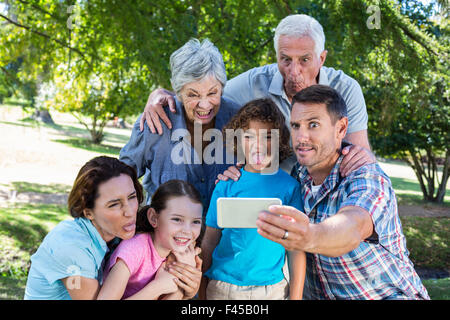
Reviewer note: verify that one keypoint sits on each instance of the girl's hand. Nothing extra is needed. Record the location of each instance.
(165, 280)
(189, 277)
(188, 256)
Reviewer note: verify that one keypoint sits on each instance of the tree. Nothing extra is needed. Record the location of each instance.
(116, 51)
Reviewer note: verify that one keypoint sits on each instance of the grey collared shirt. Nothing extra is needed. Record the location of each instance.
(267, 81)
(171, 155)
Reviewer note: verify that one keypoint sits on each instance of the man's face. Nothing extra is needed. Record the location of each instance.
(298, 63)
(315, 138)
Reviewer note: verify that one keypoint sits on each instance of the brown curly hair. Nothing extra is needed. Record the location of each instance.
(266, 111)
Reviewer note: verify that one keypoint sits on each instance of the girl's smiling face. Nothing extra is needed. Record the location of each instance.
(176, 226)
(257, 145)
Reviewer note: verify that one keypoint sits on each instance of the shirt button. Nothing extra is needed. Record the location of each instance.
(202, 179)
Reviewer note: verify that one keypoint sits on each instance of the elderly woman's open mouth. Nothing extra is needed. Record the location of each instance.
(204, 115)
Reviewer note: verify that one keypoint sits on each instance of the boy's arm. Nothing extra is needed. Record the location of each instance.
(209, 243)
(297, 272)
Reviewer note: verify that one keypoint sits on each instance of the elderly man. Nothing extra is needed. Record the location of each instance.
(350, 227)
(299, 44)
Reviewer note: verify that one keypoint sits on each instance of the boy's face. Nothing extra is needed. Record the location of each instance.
(257, 145)
(315, 138)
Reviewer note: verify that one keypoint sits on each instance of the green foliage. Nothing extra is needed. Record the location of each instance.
(103, 57)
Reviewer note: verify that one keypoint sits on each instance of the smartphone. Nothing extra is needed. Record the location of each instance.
(242, 212)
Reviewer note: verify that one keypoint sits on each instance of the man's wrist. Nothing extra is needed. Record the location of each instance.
(312, 239)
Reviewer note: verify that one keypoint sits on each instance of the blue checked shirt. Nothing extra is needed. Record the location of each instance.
(379, 268)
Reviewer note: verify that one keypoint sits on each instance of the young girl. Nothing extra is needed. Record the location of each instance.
(170, 224)
(240, 263)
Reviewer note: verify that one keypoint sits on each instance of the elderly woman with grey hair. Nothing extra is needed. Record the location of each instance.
(181, 152)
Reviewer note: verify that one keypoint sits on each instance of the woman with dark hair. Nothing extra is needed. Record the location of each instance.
(103, 201)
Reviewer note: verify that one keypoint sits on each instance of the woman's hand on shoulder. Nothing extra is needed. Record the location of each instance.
(154, 110)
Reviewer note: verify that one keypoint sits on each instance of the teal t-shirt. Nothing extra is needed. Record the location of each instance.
(72, 248)
(243, 257)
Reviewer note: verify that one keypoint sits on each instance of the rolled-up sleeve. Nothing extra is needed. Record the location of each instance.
(138, 152)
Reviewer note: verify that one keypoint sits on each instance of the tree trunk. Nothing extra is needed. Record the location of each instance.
(43, 116)
(445, 175)
(97, 136)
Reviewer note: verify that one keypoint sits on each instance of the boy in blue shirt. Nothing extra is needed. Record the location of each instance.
(239, 263)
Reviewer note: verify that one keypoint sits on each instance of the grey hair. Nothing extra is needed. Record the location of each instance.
(195, 61)
(301, 25)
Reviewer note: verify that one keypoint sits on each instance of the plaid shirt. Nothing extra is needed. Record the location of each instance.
(379, 268)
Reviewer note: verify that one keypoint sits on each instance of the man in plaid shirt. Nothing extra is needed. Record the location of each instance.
(350, 227)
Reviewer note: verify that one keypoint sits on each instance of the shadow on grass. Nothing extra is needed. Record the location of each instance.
(427, 240)
(438, 289)
(70, 131)
(22, 186)
(85, 144)
(28, 224)
(12, 289)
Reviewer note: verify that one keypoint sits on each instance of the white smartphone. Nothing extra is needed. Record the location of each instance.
(242, 212)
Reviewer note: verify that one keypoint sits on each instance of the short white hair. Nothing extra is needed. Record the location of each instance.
(194, 61)
(301, 25)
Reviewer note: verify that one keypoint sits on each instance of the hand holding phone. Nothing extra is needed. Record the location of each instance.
(242, 212)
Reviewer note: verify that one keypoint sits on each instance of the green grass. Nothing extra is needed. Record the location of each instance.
(427, 240)
(438, 289)
(85, 144)
(23, 186)
(408, 192)
(22, 229)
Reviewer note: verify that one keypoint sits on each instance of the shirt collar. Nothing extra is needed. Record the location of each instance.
(94, 234)
(276, 85)
(323, 77)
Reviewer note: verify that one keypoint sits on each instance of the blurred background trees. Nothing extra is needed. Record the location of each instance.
(99, 59)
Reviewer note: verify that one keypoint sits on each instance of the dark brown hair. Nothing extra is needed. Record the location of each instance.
(166, 191)
(266, 111)
(91, 175)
